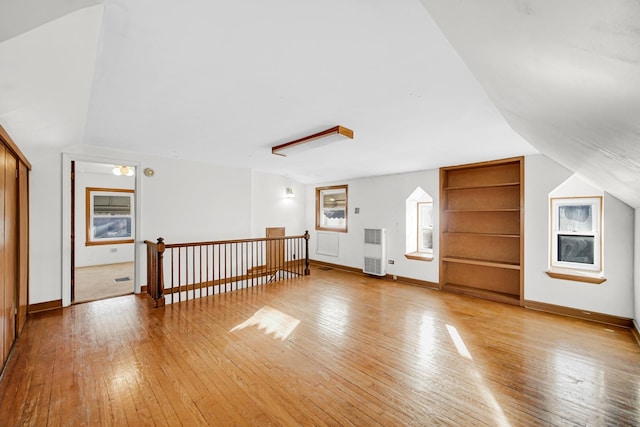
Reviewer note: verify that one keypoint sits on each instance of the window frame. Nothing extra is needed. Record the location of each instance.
(90, 194)
(419, 240)
(596, 232)
(320, 193)
(413, 240)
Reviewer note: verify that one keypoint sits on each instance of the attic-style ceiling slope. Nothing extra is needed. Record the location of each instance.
(566, 76)
(224, 81)
(45, 81)
(19, 16)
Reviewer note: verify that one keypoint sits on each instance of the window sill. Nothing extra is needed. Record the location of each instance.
(585, 277)
(418, 256)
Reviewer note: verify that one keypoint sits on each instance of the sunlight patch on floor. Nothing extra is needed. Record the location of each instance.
(500, 419)
(272, 321)
(457, 341)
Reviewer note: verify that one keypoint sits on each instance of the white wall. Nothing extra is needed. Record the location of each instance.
(184, 201)
(270, 207)
(615, 295)
(100, 254)
(382, 203)
(45, 219)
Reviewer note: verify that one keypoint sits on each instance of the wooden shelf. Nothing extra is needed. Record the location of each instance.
(470, 187)
(481, 230)
(482, 234)
(481, 293)
(483, 262)
(479, 210)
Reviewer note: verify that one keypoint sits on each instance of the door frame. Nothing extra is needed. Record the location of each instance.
(67, 158)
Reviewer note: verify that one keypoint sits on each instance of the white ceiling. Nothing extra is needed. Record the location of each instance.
(223, 81)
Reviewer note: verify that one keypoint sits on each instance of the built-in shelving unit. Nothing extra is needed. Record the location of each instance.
(481, 229)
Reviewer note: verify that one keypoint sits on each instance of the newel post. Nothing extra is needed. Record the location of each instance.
(306, 253)
(160, 274)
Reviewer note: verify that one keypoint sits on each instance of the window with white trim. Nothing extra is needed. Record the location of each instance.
(576, 233)
(419, 226)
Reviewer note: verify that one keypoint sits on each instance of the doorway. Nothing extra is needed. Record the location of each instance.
(103, 224)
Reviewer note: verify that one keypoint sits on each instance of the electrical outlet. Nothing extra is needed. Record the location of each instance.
(114, 250)
(391, 261)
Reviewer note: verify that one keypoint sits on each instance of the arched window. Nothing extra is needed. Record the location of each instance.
(419, 222)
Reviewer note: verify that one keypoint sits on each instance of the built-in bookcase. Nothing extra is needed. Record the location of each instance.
(481, 229)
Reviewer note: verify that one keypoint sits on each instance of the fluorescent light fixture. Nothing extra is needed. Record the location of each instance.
(319, 139)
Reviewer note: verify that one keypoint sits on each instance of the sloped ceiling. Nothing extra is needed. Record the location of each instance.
(565, 75)
(45, 81)
(19, 16)
(224, 81)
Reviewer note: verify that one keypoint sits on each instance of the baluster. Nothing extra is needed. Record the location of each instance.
(306, 253)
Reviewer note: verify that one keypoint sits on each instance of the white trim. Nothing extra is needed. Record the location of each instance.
(596, 232)
(67, 158)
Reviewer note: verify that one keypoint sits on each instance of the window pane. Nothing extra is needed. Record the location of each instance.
(112, 205)
(426, 220)
(333, 208)
(111, 227)
(426, 238)
(577, 218)
(578, 249)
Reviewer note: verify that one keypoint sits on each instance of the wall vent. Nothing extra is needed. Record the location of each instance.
(375, 251)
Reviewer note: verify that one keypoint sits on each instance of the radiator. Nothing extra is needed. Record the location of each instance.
(375, 251)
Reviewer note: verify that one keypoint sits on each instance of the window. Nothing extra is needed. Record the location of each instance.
(576, 233)
(419, 223)
(331, 208)
(425, 227)
(109, 216)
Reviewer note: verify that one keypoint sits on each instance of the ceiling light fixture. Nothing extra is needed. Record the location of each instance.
(320, 139)
(123, 170)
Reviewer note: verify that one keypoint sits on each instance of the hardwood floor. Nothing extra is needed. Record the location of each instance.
(332, 348)
(99, 281)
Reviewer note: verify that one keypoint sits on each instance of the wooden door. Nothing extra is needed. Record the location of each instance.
(11, 249)
(23, 246)
(275, 249)
(3, 315)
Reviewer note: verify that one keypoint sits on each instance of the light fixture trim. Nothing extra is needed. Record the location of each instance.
(336, 130)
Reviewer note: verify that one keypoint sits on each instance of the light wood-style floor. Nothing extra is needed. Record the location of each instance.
(329, 349)
(99, 281)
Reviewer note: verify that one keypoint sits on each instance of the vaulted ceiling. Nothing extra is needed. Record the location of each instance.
(422, 87)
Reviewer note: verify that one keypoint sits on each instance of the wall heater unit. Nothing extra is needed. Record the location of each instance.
(375, 251)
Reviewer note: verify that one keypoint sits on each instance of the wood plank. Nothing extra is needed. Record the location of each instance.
(23, 246)
(366, 351)
(11, 249)
(4, 320)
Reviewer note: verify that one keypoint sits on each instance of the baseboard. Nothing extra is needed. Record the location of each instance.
(44, 306)
(635, 330)
(415, 282)
(407, 280)
(335, 266)
(580, 314)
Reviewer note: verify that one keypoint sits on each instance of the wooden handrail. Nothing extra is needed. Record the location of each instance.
(218, 242)
(197, 269)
